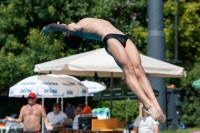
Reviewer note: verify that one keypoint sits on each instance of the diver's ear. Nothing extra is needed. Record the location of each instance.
(65, 34)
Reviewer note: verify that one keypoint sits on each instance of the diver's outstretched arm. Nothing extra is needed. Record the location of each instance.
(57, 27)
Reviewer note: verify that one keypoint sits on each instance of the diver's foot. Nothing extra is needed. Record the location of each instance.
(163, 116)
(159, 109)
(156, 114)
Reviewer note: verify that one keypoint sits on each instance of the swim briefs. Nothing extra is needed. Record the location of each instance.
(121, 38)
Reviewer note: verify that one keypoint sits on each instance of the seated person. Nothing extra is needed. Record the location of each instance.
(145, 123)
(78, 110)
(56, 117)
(69, 110)
(86, 112)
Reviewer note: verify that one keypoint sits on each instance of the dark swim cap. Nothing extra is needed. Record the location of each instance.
(72, 42)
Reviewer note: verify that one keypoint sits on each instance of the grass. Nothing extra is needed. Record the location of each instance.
(188, 130)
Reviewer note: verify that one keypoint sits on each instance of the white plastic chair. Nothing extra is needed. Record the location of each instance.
(13, 125)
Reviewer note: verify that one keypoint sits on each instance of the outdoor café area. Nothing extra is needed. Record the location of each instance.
(86, 125)
(94, 125)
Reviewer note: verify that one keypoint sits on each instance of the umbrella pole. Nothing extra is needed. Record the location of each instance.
(111, 86)
(42, 118)
(86, 100)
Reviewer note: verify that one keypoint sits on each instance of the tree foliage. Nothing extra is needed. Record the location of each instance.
(188, 30)
(190, 97)
(188, 13)
(189, 53)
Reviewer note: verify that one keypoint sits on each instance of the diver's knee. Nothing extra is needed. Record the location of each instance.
(139, 70)
(129, 69)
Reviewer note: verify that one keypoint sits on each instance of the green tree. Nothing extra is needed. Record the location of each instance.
(188, 31)
(189, 53)
(190, 97)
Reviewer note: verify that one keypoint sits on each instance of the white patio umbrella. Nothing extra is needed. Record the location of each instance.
(43, 86)
(93, 87)
(49, 86)
(86, 64)
(81, 89)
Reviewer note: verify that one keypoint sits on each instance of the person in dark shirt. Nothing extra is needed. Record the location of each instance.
(69, 110)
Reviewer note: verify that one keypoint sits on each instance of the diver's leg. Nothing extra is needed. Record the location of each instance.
(121, 57)
(140, 73)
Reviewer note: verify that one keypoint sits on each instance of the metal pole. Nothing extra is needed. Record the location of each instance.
(62, 106)
(156, 48)
(176, 32)
(111, 87)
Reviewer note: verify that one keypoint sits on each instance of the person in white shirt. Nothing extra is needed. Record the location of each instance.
(145, 123)
(56, 117)
(78, 109)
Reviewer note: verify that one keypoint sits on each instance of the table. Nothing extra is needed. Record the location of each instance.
(69, 130)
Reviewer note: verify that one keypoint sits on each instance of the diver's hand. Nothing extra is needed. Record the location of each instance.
(49, 28)
(45, 31)
(54, 27)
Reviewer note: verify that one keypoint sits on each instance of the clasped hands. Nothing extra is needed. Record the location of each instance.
(46, 31)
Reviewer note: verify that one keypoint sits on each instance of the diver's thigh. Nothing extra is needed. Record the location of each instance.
(133, 53)
(117, 51)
